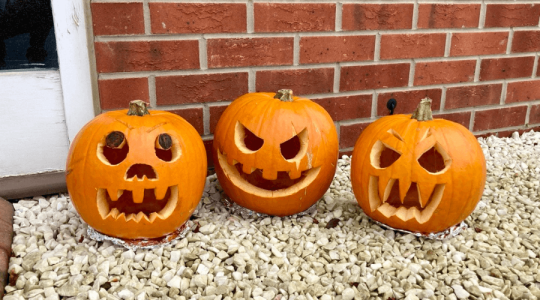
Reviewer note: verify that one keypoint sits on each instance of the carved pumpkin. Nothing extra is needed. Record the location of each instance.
(136, 174)
(275, 153)
(417, 173)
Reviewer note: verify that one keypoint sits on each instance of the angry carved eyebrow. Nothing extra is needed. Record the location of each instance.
(124, 123)
(156, 127)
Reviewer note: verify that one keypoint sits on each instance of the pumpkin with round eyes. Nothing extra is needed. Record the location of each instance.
(135, 174)
(417, 173)
(275, 153)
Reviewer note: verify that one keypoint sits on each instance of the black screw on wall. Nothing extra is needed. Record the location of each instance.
(391, 105)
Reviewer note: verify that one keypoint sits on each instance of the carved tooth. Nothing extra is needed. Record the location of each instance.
(387, 210)
(122, 217)
(140, 216)
(404, 185)
(294, 174)
(385, 186)
(114, 213)
(138, 195)
(143, 178)
(160, 192)
(153, 216)
(373, 193)
(403, 214)
(269, 174)
(114, 194)
(247, 169)
(425, 189)
(130, 216)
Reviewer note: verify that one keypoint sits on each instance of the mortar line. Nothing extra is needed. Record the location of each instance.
(146, 16)
(152, 90)
(448, 44)
(339, 16)
(206, 119)
(510, 41)
(203, 54)
(477, 70)
(296, 50)
(482, 19)
(250, 11)
(337, 77)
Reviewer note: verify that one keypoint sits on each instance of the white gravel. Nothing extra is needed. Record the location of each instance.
(231, 257)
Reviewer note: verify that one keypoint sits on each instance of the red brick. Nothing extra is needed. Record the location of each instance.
(194, 116)
(463, 118)
(377, 16)
(534, 116)
(347, 107)
(374, 77)
(215, 114)
(117, 18)
(348, 134)
(200, 88)
(116, 93)
(302, 82)
(407, 101)
(427, 73)
(502, 68)
(146, 56)
(469, 96)
(526, 41)
(294, 17)
(478, 43)
(250, 52)
(323, 49)
(512, 15)
(412, 45)
(448, 15)
(507, 133)
(208, 146)
(523, 91)
(499, 118)
(198, 17)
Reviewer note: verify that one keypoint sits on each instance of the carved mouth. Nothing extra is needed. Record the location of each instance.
(407, 207)
(135, 205)
(255, 184)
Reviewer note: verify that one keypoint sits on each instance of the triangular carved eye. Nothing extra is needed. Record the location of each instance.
(382, 156)
(295, 147)
(246, 140)
(434, 160)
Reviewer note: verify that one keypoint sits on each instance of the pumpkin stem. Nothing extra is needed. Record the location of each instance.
(423, 111)
(284, 95)
(137, 108)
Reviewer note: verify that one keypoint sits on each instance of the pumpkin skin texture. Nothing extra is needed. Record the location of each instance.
(146, 187)
(417, 175)
(275, 156)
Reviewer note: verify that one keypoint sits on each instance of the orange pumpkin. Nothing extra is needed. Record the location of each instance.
(417, 173)
(136, 174)
(275, 153)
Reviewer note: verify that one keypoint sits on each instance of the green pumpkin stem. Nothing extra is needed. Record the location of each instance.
(137, 108)
(284, 95)
(423, 111)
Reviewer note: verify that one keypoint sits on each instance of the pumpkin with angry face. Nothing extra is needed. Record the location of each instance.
(275, 153)
(136, 174)
(417, 173)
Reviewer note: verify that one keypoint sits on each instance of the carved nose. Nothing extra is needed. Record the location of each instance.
(141, 170)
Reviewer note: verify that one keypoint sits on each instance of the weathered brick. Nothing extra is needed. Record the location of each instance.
(534, 116)
(377, 16)
(438, 72)
(194, 116)
(499, 118)
(347, 107)
(463, 118)
(523, 91)
(469, 96)
(323, 49)
(302, 82)
(508, 133)
(512, 15)
(250, 52)
(478, 43)
(374, 77)
(215, 114)
(407, 101)
(510, 67)
(348, 134)
(412, 45)
(198, 17)
(294, 17)
(526, 41)
(448, 15)
(117, 18)
(116, 93)
(200, 88)
(146, 56)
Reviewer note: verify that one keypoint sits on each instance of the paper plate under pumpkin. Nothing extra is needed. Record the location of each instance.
(274, 153)
(135, 174)
(417, 173)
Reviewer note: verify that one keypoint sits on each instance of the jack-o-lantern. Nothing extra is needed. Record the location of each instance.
(275, 153)
(417, 173)
(136, 174)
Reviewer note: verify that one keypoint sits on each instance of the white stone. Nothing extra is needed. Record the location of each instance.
(347, 294)
(460, 292)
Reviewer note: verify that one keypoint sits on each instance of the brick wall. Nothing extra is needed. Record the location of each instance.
(477, 60)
